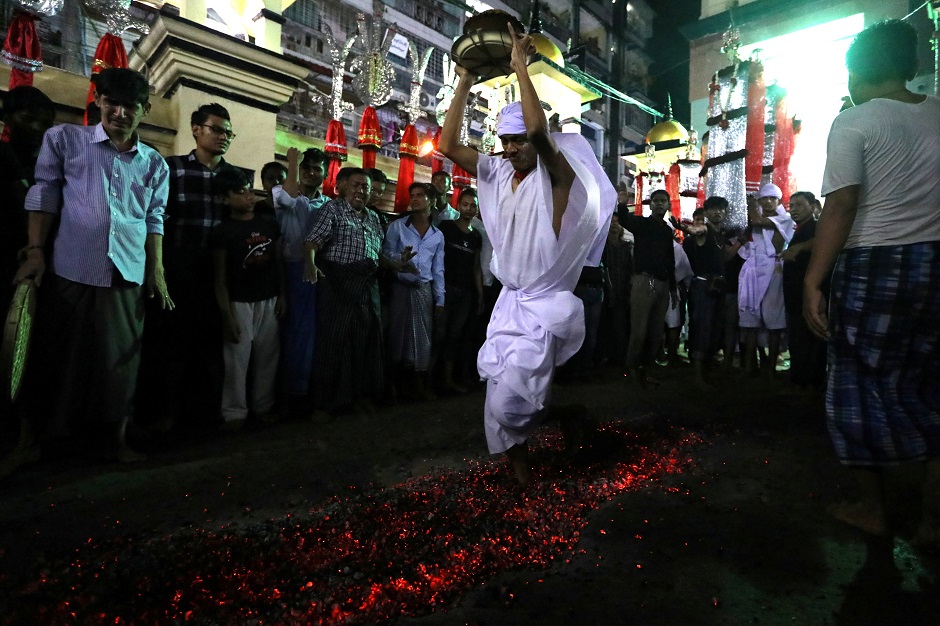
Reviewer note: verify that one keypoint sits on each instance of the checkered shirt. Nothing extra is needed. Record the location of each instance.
(342, 236)
(192, 211)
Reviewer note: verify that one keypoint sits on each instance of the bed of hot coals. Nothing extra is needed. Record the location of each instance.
(362, 557)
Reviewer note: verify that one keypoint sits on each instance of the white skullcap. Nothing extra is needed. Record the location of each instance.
(770, 190)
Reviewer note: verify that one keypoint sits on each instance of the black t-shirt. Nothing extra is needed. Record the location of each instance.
(263, 208)
(652, 246)
(251, 264)
(795, 271)
(707, 260)
(459, 251)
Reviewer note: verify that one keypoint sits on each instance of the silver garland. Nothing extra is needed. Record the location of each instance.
(43, 8)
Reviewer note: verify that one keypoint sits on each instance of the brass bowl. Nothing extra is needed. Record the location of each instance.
(493, 19)
(485, 53)
(485, 48)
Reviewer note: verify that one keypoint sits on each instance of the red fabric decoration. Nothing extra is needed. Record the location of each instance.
(370, 136)
(638, 200)
(407, 151)
(437, 159)
(783, 148)
(754, 140)
(21, 50)
(460, 179)
(672, 188)
(336, 150)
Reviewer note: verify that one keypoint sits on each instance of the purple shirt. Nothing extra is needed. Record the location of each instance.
(107, 202)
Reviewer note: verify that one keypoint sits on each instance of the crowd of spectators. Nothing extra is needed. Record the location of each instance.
(287, 304)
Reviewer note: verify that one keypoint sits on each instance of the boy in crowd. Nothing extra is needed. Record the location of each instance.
(249, 295)
(417, 298)
(441, 210)
(297, 201)
(703, 247)
(272, 175)
(464, 279)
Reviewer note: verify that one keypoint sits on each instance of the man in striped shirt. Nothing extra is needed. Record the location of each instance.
(107, 248)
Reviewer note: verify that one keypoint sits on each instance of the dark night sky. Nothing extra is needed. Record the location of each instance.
(670, 52)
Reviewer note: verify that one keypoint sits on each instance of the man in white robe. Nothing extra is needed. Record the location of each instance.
(546, 204)
(760, 285)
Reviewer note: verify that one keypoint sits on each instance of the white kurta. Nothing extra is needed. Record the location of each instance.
(537, 322)
(760, 286)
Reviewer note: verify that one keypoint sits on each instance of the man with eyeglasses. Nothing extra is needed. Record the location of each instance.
(184, 351)
(107, 190)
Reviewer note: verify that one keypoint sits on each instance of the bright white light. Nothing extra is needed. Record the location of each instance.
(810, 65)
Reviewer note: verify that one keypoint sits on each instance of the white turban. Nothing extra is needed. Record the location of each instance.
(770, 190)
(510, 120)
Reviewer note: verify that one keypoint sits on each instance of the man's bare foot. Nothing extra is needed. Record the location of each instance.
(22, 455)
(861, 516)
(518, 455)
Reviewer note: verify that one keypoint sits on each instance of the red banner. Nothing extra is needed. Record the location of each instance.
(407, 151)
(109, 53)
(22, 51)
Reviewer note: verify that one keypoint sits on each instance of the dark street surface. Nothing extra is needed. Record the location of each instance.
(688, 507)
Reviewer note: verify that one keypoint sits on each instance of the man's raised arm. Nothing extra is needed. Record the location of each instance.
(450, 146)
(535, 123)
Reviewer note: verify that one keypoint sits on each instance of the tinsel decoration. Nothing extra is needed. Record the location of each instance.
(335, 146)
(727, 135)
(373, 82)
(445, 95)
(460, 178)
(109, 53)
(22, 50)
(688, 186)
(408, 149)
(40, 8)
(755, 139)
(116, 14)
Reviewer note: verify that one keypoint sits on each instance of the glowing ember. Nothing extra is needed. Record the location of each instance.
(371, 556)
